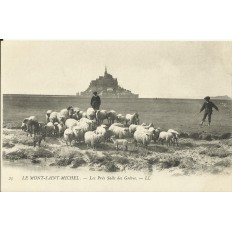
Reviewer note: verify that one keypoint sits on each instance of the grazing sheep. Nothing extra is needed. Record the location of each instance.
(142, 137)
(84, 127)
(92, 139)
(117, 124)
(24, 125)
(111, 116)
(117, 142)
(144, 129)
(144, 126)
(107, 135)
(56, 131)
(59, 128)
(91, 114)
(175, 136)
(77, 114)
(33, 118)
(91, 123)
(119, 132)
(68, 136)
(121, 119)
(70, 123)
(53, 117)
(48, 115)
(156, 134)
(50, 128)
(83, 114)
(162, 136)
(65, 112)
(61, 117)
(30, 125)
(132, 118)
(140, 127)
(167, 136)
(132, 129)
(100, 116)
(78, 133)
(103, 130)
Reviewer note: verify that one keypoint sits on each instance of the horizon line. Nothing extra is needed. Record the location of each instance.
(68, 95)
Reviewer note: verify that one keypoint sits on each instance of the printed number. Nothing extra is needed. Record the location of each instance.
(10, 178)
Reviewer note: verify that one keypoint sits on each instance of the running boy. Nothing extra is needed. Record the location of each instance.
(208, 107)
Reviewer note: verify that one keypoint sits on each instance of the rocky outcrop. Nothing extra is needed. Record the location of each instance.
(107, 86)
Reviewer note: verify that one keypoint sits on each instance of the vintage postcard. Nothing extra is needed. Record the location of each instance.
(116, 116)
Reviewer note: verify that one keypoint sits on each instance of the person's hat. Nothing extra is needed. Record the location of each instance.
(207, 98)
(95, 92)
(70, 107)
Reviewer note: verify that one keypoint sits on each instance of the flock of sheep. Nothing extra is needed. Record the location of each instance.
(76, 125)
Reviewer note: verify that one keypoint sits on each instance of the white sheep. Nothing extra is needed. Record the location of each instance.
(149, 131)
(91, 123)
(61, 117)
(33, 118)
(59, 128)
(132, 118)
(50, 128)
(100, 116)
(142, 137)
(30, 125)
(117, 124)
(78, 133)
(70, 123)
(91, 114)
(111, 116)
(119, 132)
(76, 114)
(68, 136)
(162, 136)
(144, 126)
(65, 112)
(121, 119)
(53, 117)
(118, 142)
(167, 136)
(103, 130)
(83, 114)
(92, 139)
(132, 129)
(48, 115)
(84, 127)
(175, 136)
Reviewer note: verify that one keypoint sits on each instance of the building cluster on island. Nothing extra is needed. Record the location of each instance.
(108, 87)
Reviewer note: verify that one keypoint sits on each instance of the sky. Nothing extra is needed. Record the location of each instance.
(148, 68)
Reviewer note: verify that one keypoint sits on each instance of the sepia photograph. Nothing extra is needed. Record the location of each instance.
(116, 115)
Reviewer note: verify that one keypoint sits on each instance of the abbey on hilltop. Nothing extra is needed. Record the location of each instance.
(108, 87)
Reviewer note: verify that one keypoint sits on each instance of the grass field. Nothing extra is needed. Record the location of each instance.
(195, 155)
(178, 114)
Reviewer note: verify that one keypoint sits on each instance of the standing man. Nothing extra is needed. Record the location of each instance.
(95, 101)
(208, 107)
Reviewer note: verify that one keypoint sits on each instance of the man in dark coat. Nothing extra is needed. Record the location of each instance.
(95, 101)
(208, 107)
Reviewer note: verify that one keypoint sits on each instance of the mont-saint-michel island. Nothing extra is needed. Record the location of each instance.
(107, 86)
